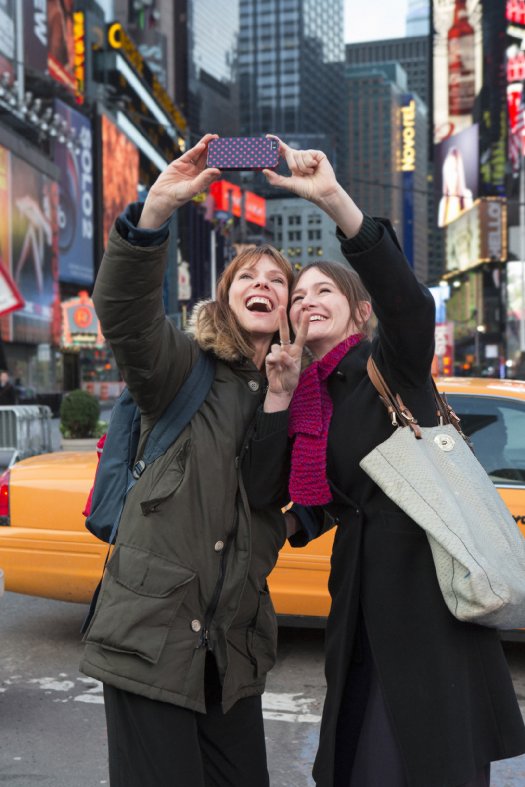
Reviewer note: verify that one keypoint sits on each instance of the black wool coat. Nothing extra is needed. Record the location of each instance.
(446, 685)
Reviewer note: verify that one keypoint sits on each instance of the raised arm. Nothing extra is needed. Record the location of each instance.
(405, 308)
(153, 356)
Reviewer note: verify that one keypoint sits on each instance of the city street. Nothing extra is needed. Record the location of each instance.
(52, 720)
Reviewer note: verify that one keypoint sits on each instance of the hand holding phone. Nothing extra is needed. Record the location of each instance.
(243, 153)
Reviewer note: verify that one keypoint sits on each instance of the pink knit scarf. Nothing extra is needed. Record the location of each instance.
(310, 415)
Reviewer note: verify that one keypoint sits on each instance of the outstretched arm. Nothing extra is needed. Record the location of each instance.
(181, 180)
(313, 178)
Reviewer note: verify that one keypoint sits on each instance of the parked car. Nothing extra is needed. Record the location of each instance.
(45, 549)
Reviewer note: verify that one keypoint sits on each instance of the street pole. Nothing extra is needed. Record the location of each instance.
(213, 263)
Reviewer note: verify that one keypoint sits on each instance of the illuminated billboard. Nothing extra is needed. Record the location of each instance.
(61, 42)
(34, 250)
(458, 64)
(120, 172)
(75, 215)
(492, 114)
(515, 75)
(7, 37)
(478, 235)
(228, 199)
(456, 174)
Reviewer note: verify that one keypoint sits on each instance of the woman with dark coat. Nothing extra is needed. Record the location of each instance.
(184, 631)
(415, 698)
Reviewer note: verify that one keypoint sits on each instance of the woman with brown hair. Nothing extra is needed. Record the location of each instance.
(184, 630)
(415, 697)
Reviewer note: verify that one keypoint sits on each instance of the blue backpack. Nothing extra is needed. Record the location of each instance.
(118, 472)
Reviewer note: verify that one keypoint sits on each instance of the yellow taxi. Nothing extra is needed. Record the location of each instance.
(45, 549)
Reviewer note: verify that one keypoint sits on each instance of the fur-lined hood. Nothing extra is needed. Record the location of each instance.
(203, 331)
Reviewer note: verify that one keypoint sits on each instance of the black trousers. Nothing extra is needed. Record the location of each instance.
(157, 744)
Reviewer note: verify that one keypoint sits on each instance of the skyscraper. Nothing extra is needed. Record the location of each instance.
(291, 55)
(386, 146)
(411, 53)
(418, 18)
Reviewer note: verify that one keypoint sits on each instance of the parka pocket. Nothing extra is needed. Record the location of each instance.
(262, 637)
(141, 593)
(168, 476)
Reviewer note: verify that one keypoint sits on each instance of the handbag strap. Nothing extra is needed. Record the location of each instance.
(399, 414)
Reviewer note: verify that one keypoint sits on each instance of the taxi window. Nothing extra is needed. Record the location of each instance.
(496, 427)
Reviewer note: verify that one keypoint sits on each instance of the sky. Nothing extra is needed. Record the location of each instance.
(372, 20)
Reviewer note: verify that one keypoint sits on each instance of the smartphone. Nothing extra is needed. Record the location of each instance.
(237, 153)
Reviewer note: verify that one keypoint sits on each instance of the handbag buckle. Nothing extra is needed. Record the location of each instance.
(445, 442)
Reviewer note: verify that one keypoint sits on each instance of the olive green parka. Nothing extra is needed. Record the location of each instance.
(189, 568)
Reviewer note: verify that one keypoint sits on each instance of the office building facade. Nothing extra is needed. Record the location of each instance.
(378, 103)
(290, 68)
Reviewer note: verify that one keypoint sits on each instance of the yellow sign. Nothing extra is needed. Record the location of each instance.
(80, 55)
(408, 138)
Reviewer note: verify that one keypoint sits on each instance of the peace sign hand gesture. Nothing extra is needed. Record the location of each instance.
(283, 363)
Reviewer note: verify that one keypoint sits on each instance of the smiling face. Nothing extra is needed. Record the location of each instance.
(329, 309)
(257, 289)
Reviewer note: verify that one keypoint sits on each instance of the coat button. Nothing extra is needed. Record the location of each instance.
(219, 546)
(196, 625)
(253, 385)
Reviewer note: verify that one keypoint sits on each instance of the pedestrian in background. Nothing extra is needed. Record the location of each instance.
(8, 394)
(184, 630)
(415, 698)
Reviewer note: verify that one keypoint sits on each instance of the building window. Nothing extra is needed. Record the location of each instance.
(294, 220)
(314, 234)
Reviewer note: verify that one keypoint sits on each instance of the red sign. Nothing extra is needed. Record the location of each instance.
(516, 11)
(228, 198)
(80, 325)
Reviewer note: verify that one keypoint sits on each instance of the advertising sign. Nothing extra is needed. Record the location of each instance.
(61, 42)
(10, 297)
(478, 235)
(75, 209)
(120, 172)
(515, 73)
(7, 37)
(493, 112)
(35, 35)
(119, 41)
(456, 162)
(229, 199)
(444, 338)
(80, 324)
(406, 165)
(458, 64)
(34, 250)
(515, 301)
(79, 33)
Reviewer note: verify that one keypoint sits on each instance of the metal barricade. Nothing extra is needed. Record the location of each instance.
(25, 430)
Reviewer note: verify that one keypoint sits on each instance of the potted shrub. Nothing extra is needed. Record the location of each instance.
(79, 420)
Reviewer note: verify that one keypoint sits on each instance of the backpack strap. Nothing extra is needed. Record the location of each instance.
(179, 413)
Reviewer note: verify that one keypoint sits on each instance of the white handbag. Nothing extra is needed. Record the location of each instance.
(432, 475)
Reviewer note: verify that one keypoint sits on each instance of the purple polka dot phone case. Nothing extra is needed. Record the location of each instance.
(229, 153)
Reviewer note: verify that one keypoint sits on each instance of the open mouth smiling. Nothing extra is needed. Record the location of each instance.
(259, 303)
